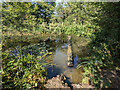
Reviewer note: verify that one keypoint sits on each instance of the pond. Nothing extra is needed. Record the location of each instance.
(58, 46)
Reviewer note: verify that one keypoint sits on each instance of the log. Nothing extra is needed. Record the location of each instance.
(70, 61)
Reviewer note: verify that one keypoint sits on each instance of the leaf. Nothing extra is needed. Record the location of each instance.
(15, 64)
(50, 53)
(36, 84)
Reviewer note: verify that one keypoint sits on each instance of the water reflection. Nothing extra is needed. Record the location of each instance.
(60, 60)
(59, 56)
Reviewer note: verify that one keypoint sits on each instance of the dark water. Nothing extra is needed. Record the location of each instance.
(59, 57)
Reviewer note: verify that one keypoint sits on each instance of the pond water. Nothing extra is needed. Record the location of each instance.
(58, 59)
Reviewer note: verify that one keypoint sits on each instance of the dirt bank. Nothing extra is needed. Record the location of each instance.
(60, 83)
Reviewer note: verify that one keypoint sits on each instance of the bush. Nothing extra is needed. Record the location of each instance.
(20, 72)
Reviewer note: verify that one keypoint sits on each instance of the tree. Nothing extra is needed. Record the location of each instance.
(26, 15)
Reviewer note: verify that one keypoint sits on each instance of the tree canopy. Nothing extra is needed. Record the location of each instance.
(26, 15)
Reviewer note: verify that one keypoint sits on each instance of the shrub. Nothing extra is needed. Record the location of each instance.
(20, 72)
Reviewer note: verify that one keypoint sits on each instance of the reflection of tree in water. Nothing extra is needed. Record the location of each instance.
(79, 46)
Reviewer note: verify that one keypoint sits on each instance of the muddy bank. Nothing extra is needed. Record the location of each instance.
(60, 82)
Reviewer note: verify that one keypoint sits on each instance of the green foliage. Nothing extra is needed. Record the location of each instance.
(25, 16)
(104, 46)
(76, 18)
(98, 21)
(20, 72)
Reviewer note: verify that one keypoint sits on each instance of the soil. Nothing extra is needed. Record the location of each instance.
(60, 83)
(111, 76)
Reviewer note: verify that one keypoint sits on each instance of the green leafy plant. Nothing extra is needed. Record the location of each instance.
(22, 71)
